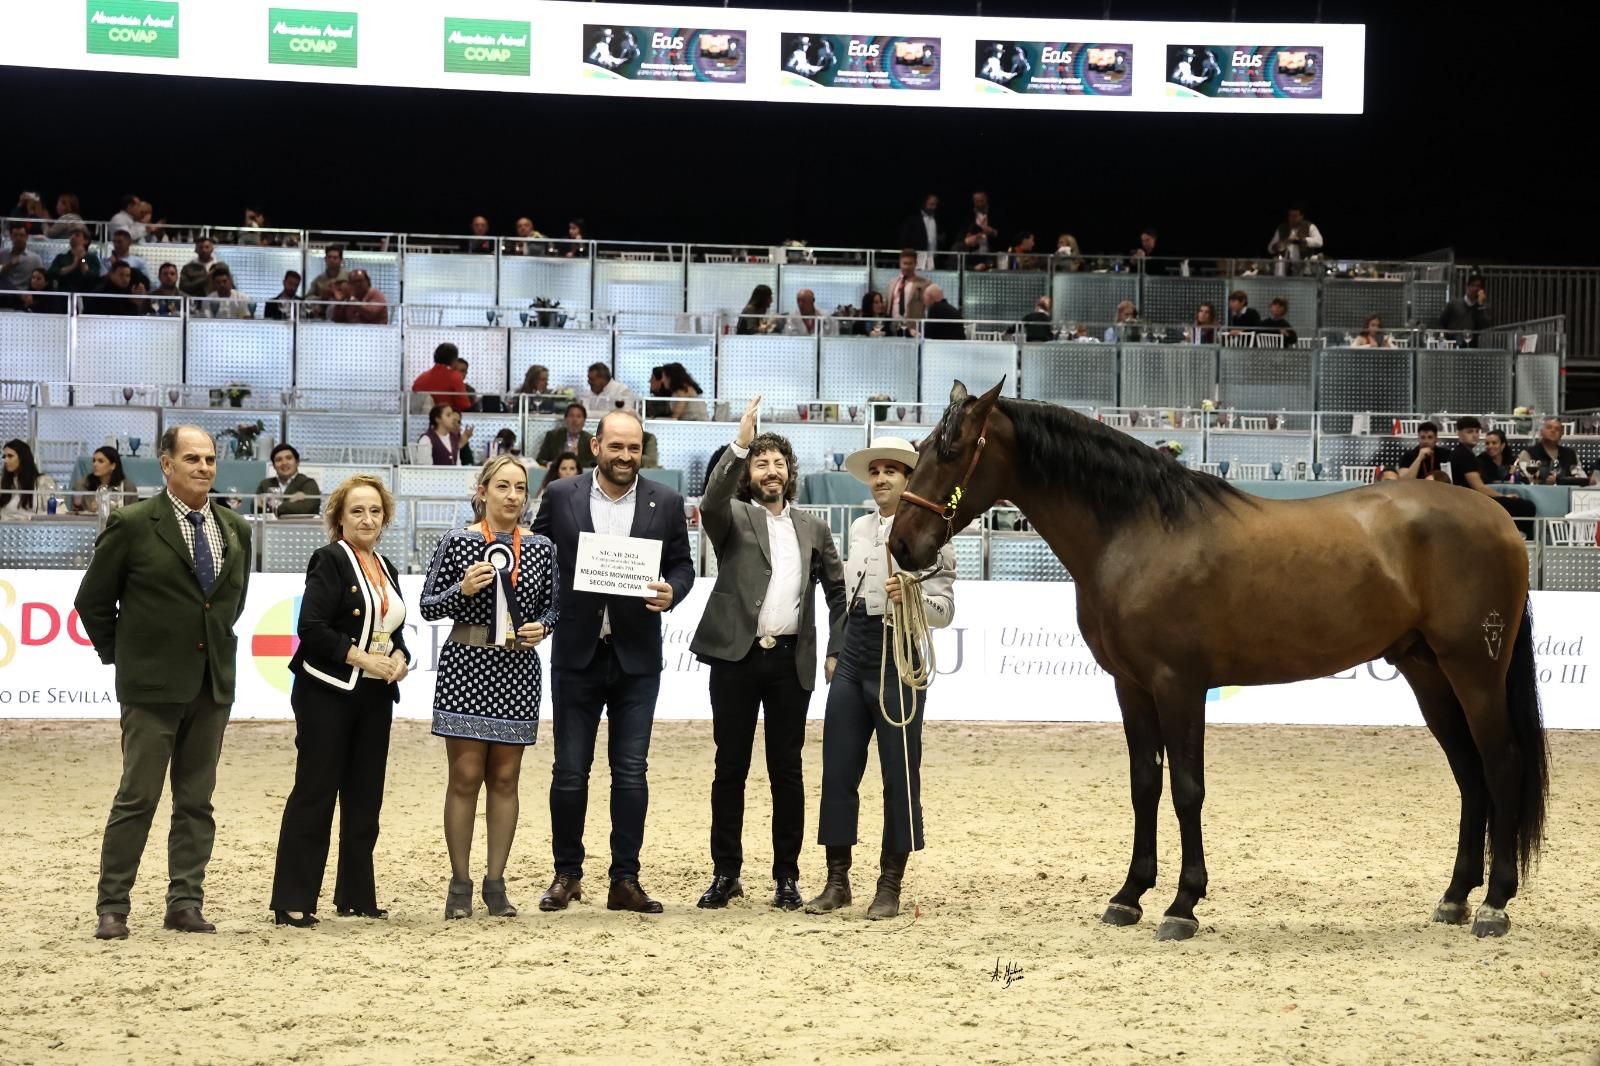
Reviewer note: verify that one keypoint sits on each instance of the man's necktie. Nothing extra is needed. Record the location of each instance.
(205, 566)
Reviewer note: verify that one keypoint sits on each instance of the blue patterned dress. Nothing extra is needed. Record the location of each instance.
(488, 693)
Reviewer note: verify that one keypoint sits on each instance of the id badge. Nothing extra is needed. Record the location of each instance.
(381, 642)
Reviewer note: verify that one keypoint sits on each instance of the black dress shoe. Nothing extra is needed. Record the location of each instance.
(788, 894)
(566, 888)
(305, 921)
(111, 926)
(626, 895)
(188, 920)
(361, 912)
(721, 891)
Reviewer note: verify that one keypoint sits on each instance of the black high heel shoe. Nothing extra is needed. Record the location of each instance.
(376, 912)
(305, 921)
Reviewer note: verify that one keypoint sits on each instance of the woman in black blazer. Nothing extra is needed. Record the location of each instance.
(347, 669)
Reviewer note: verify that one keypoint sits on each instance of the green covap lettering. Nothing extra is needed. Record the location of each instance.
(132, 28)
(312, 38)
(487, 46)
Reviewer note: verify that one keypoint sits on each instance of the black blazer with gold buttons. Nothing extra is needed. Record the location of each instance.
(336, 612)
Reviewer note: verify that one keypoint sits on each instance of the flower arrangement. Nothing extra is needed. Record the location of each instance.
(1524, 416)
(880, 402)
(1171, 447)
(236, 394)
(243, 437)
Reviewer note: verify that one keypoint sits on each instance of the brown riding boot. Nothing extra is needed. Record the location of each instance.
(836, 893)
(891, 869)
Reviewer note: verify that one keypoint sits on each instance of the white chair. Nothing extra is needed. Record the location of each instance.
(714, 258)
(375, 455)
(1447, 426)
(435, 514)
(1119, 419)
(57, 452)
(1269, 340)
(821, 511)
(1249, 471)
(1409, 426)
(1504, 425)
(640, 257)
(988, 335)
(1585, 502)
(1238, 340)
(1253, 422)
(1207, 468)
(1572, 532)
(1569, 428)
(1365, 475)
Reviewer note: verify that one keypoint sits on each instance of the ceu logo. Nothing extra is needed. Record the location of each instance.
(8, 641)
(274, 642)
(1216, 695)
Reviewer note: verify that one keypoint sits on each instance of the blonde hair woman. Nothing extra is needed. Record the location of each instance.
(496, 581)
(347, 670)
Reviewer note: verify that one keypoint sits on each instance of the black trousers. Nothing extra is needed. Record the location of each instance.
(343, 741)
(764, 680)
(1520, 508)
(853, 719)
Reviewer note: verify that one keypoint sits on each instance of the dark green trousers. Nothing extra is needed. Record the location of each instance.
(187, 739)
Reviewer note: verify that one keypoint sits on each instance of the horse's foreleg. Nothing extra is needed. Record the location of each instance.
(1181, 710)
(1143, 730)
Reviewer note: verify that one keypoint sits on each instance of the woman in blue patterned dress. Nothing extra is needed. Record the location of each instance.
(496, 581)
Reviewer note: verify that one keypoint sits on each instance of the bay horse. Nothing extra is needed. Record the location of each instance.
(1185, 583)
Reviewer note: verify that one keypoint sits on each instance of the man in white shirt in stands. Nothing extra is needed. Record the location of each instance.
(1295, 238)
(606, 393)
(225, 301)
(132, 218)
(905, 294)
(805, 320)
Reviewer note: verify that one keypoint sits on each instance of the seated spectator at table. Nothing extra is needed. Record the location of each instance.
(1493, 467)
(942, 318)
(282, 307)
(536, 383)
(874, 314)
(1546, 461)
(529, 241)
(40, 299)
(225, 301)
(686, 404)
(504, 443)
(561, 467)
(1388, 473)
(805, 320)
(1278, 308)
(1497, 463)
(114, 294)
(289, 493)
(322, 291)
(67, 215)
(606, 394)
(132, 218)
(365, 306)
(575, 232)
(1372, 335)
(474, 403)
(122, 252)
(1241, 316)
(24, 491)
(167, 298)
(973, 243)
(569, 437)
(481, 243)
(1467, 314)
(446, 439)
(78, 268)
(1204, 330)
(756, 316)
(1125, 325)
(17, 265)
(195, 278)
(1296, 238)
(1036, 324)
(105, 472)
(1069, 253)
(1080, 334)
(442, 381)
(1419, 463)
(1020, 256)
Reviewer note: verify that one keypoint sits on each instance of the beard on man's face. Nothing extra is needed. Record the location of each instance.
(771, 487)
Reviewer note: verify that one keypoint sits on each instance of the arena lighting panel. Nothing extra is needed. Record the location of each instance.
(711, 53)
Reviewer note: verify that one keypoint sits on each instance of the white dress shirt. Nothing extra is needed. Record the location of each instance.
(613, 517)
(780, 607)
(605, 401)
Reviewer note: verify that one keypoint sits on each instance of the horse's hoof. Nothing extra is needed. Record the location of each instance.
(1491, 921)
(1177, 928)
(1450, 913)
(1122, 914)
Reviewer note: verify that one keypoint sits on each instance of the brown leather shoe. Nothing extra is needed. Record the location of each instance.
(111, 926)
(563, 890)
(188, 920)
(628, 896)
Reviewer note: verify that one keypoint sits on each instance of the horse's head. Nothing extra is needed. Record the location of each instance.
(949, 487)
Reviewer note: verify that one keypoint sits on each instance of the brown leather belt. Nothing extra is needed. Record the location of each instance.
(476, 636)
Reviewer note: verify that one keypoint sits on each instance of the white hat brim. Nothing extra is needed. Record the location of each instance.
(901, 451)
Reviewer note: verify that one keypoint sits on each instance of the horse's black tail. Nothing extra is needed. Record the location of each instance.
(1527, 733)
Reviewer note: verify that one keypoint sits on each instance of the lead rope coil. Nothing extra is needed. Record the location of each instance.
(912, 642)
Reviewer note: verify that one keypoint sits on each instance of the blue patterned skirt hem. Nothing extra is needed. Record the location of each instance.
(480, 727)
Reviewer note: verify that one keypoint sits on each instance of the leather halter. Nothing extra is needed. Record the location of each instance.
(948, 511)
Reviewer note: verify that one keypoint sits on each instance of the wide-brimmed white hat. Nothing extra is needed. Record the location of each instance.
(896, 448)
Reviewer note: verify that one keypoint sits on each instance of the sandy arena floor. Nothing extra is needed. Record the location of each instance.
(1327, 851)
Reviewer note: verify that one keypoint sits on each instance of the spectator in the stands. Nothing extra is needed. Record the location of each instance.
(323, 286)
(17, 265)
(686, 405)
(1478, 472)
(113, 294)
(906, 294)
(366, 305)
(805, 320)
(980, 220)
(195, 278)
(78, 268)
(1125, 325)
(250, 229)
(874, 313)
(1241, 316)
(970, 243)
(579, 249)
(921, 232)
(445, 437)
(122, 252)
(442, 381)
(529, 241)
(1296, 238)
(105, 472)
(561, 467)
(1546, 461)
(1496, 463)
(756, 316)
(291, 493)
(225, 301)
(67, 216)
(39, 299)
(1147, 244)
(473, 402)
(1036, 324)
(1021, 255)
(131, 218)
(1421, 462)
(24, 491)
(568, 438)
(1204, 330)
(1464, 316)
(169, 302)
(283, 305)
(536, 384)
(606, 393)
(942, 318)
(1069, 253)
(1372, 335)
(481, 243)
(1278, 310)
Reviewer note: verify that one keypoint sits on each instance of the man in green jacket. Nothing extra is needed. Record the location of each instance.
(159, 601)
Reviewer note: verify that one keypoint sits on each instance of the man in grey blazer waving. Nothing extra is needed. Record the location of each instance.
(759, 636)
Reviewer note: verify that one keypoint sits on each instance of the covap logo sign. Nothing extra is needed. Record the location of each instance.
(274, 642)
(132, 28)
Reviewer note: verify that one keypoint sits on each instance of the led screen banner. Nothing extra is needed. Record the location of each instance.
(710, 53)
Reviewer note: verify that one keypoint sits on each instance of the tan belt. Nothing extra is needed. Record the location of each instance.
(477, 636)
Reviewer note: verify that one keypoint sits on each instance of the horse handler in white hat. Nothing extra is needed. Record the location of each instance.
(867, 697)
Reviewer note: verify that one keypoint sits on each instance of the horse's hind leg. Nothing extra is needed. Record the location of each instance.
(1143, 731)
(1448, 724)
(1181, 709)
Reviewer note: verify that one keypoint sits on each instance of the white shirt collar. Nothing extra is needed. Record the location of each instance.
(596, 491)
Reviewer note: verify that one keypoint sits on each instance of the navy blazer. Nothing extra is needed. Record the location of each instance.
(336, 612)
(635, 632)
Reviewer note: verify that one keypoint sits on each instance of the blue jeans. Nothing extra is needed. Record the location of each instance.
(629, 701)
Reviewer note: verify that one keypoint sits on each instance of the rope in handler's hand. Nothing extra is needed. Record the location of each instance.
(912, 640)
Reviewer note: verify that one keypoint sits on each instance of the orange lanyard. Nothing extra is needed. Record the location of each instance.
(375, 580)
(516, 548)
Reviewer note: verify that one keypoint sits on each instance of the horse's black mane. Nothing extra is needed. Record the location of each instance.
(1118, 477)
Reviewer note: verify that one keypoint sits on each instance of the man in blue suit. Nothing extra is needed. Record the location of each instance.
(607, 656)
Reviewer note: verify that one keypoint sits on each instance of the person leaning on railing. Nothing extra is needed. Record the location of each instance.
(24, 491)
(106, 477)
(78, 268)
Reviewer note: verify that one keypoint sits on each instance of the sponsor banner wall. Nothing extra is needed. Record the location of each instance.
(709, 53)
(1014, 653)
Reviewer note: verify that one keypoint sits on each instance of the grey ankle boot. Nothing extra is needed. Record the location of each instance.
(494, 899)
(458, 904)
(836, 893)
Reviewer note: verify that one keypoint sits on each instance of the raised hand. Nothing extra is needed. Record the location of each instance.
(747, 424)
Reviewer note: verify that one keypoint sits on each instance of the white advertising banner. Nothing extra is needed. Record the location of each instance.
(711, 53)
(1013, 654)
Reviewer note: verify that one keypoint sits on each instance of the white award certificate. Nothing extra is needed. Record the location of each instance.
(616, 566)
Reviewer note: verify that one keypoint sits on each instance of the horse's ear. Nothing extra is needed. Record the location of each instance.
(987, 400)
(958, 392)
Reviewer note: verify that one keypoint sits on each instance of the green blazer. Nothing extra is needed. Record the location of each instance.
(142, 607)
